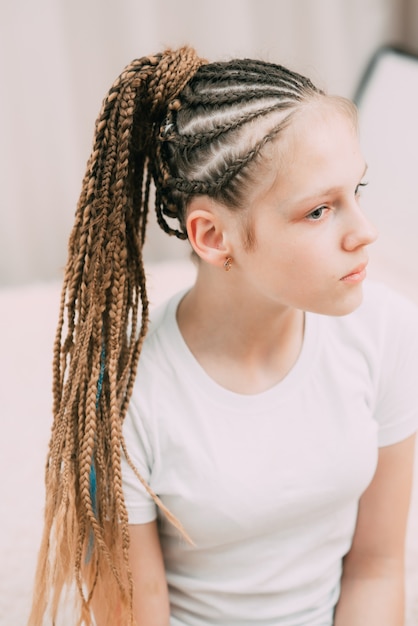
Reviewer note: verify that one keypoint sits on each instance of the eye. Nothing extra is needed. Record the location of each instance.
(359, 188)
(317, 214)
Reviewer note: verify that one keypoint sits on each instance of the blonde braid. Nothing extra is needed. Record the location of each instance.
(97, 347)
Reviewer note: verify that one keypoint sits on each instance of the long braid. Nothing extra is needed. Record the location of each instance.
(98, 339)
(190, 128)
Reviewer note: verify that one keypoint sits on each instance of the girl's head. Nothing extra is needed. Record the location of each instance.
(214, 134)
(196, 130)
(223, 136)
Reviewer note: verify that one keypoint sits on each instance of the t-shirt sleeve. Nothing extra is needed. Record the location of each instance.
(140, 505)
(396, 408)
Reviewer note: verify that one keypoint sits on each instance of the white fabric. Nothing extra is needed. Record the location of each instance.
(28, 319)
(267, 485)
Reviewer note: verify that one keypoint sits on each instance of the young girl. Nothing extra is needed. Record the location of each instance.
(249, 461)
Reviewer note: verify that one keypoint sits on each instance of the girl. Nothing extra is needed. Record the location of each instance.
(253, 466)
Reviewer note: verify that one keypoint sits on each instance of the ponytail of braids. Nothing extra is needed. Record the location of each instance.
(97, 347)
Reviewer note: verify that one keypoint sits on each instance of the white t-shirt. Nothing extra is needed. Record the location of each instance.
(267, 485)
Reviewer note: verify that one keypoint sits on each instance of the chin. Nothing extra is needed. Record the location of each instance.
(342, 304)
(349, 302)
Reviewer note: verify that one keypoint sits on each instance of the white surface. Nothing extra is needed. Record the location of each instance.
(28, 321)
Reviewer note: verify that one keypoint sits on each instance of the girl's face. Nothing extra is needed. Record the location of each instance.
(311, 235)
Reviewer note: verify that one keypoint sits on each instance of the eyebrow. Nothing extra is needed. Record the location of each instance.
(330, 190)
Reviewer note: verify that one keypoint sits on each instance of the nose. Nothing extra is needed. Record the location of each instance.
(360, 231)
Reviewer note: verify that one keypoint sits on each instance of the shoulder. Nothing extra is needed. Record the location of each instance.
(154, 374)
(383, 330)
(162, 327)
(390, 318)
(387, 326)
(161, 350)
(383, 303)
(384, 320)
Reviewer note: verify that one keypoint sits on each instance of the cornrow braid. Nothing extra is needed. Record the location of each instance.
(196, 139)
(215, 132)
(188, 128)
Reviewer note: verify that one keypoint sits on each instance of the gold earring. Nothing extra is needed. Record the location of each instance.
(227, 264)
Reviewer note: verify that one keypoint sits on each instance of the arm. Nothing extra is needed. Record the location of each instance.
(151, 603)
(150, 593)
(372, 589)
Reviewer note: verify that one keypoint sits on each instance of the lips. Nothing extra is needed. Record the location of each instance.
(358, 273)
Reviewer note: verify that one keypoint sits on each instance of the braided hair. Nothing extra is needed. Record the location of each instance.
(190, 128)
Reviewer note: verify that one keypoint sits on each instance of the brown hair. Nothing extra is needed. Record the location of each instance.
(190, 128)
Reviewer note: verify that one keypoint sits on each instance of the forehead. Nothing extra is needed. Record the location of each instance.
(318, 150)
(314, 123)
(319, 147)
(318, 142)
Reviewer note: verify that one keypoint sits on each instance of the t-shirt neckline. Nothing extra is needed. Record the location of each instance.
(209, 387)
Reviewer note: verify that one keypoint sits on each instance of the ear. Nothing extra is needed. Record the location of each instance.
(206, 228)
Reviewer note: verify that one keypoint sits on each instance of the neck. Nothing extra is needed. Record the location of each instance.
(246, 346)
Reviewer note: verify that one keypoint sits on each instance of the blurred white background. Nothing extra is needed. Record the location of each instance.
(59, 57)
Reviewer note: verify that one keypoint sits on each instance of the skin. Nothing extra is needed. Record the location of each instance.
(245, 327)
(310, 233)
(372, 589)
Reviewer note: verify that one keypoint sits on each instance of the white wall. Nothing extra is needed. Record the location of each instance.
(58, 58)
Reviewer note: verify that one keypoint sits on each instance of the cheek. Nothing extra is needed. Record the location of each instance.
(306, 259)
(300, 254)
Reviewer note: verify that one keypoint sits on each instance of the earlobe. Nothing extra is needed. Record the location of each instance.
(206, 232)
